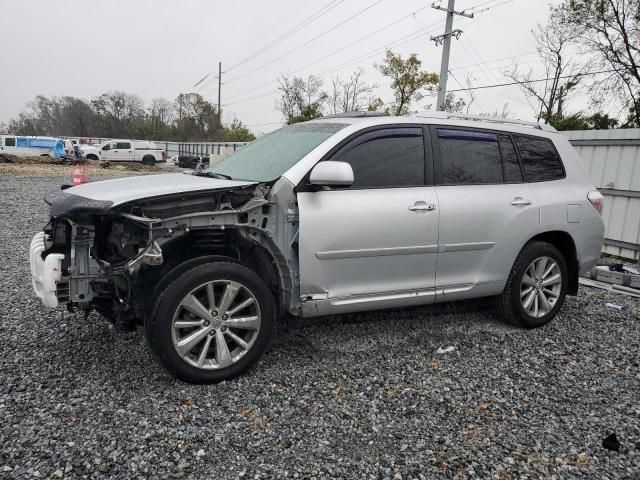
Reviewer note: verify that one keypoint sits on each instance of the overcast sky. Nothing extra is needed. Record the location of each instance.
(160, 48)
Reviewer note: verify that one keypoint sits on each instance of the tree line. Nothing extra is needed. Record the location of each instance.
(590, 47)
(116, 114)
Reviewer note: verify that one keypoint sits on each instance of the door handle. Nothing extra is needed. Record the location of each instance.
(520, 202)
(422, 207)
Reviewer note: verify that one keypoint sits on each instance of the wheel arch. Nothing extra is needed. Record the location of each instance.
(92, 156)
(564, 242)
(149, 159)
(235, 245)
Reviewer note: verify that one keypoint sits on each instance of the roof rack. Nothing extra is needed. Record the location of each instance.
(355, 115)
(478, 118)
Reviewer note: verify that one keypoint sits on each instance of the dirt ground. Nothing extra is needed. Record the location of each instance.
(50, 167)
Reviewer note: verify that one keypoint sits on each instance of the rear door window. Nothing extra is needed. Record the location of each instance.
(540, 159)
(10, 142)
(123, 146)
(469, 157)
(389, 157)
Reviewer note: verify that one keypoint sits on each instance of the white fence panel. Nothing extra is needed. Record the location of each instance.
(612, 159)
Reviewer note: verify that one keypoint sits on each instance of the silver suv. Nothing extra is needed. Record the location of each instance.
(341, 214)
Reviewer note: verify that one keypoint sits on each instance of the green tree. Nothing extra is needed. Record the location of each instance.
(408, 81)
(453, 103)
(577, 121)
(237, 132)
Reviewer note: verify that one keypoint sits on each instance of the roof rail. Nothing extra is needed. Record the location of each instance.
(355, 115)
(479, 118)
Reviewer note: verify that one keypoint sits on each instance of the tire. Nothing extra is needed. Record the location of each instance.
(181, 349)
(522, 302)
(148, 160)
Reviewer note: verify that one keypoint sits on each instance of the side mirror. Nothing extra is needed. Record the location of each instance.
(334, 174)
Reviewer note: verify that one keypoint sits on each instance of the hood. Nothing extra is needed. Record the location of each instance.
(122, 190)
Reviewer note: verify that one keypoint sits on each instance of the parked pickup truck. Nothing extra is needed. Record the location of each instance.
(125, 151)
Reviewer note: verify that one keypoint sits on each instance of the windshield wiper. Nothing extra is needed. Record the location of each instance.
(213, 175)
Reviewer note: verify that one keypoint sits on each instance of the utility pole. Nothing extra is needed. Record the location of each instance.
(445, 40)
(219, 91)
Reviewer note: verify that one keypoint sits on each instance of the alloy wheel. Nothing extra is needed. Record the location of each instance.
(540, 287)
(216, 324)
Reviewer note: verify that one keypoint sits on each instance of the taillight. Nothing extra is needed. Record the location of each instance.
(596, 199)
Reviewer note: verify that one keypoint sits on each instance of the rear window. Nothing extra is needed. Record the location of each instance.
(469, 157)
(540, 159)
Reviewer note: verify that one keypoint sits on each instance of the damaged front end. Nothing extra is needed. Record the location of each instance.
(94, 255)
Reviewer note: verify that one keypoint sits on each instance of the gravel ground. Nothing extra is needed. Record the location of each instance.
(48, 167)
(356, 396)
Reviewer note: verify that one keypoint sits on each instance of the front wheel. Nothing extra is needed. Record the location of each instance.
(536, 287)
(212, 323)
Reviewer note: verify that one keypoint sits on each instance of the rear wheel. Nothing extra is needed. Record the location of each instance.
(212, 323)
(536, 287)
(148, 160)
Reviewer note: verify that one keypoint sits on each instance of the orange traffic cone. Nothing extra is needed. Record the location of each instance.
(77, 175)
(84, 178)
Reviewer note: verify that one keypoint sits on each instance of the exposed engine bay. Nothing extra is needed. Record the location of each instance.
(116, 257)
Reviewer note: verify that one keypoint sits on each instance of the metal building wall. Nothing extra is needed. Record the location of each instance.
(612, 159)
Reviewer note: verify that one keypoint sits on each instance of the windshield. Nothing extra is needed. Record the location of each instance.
(269, 157)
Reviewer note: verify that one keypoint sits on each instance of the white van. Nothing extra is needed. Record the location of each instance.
(27, 146)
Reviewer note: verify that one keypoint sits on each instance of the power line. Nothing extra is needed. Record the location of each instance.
(307, 42)
(495, 60)
(274, 25)
(323, 11)
(396, 43)
(507, 84)
(319, 13)
(339, 50)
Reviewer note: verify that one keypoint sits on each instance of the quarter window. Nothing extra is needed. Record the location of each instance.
(392, 157)
(469, 157)
(540, 160)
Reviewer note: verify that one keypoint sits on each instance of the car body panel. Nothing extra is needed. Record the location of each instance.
(481, 233)
(350, 246)
(123, 190)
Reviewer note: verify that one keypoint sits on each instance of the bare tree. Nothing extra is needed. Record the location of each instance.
(301, 100)
(118, 110)
(351, 95)
(547, 98)
(161, 113)
(468, 80)
(610, 29)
